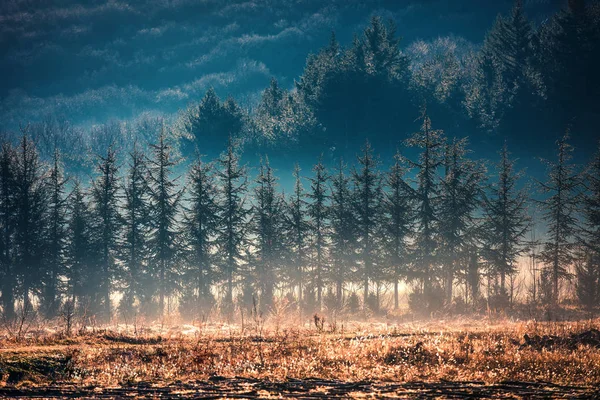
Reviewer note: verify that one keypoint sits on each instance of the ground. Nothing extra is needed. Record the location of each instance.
(306, 358)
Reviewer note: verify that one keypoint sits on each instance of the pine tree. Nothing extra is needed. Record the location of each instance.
(201, 225)
(205, 123)
(399, 220)
(232, 234)
(427, 205)
(54, 266)
(267, 224)
(30, 210)
(7, 226)
(559, 215)
(82, 274)
(459, 199)
(298, 230)
(569, 53)
(506, 222)
(589, 272)
(507, 79)
(107, 224)
(164, 207)
(318, 213)
(510, 43)
(367, 202)
(136, 230)
(343, 232)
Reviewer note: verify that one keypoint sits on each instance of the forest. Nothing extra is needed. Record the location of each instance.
(159, 216)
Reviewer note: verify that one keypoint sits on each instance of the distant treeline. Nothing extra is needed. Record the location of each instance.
(213, 237)
(524, 81)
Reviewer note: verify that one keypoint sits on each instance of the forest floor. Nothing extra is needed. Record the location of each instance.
(450, 359)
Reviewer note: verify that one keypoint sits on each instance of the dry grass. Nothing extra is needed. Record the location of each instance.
(466, 350)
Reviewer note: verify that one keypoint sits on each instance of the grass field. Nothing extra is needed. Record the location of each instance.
(310, 357)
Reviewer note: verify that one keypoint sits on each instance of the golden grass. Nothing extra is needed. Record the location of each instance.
(467, 350)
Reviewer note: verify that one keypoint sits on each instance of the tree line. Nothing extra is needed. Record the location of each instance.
(217, 237)
(214, 235)
(524, 79)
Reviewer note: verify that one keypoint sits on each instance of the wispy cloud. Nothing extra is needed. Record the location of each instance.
(127, 101)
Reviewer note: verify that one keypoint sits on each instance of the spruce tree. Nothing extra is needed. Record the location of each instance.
(427, 193)
(507, 81)
(298, 231)
(200, 226)
(7, 226)
(82, 274)
(318, 213)
(206, 122)
(367, 203)
(459, 198)
(559, 215)
(29, 212)
(506, 222)
(136, 230)
(399, 220)
(589, 273)
(267, 224)
(232, 235)
(106, 225)
(343, 232)
(164, 208)
(54, 266)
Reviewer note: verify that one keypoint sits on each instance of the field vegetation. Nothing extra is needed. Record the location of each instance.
(295, 351)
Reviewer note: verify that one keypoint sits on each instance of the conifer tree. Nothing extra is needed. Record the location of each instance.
(164, 207)
(431, 143)
(82, 274)
(508, 83)
(267, 224)
(318, 213)
(506, 221)
(107, 224)
(7, 226)
(54, 266)
(232, 235)
(569, 53)
(204, 123)
(136, 230)
(30, 210)
(367, 202)
(559, 215)
(588, 274)
(459, 199)
(201, 224)
(298, 231)
(399, 220)
(343, 232)
(510, 43)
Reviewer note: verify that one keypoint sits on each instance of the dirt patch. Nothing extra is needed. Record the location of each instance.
(219, 387)
(35, 369)
(118, 338)
(587, 338)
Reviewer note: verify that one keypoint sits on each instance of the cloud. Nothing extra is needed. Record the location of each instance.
(127, 101)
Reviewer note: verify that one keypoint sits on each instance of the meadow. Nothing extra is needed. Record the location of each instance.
(310, 356)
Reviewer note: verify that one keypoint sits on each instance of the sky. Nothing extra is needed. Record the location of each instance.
(94, 61)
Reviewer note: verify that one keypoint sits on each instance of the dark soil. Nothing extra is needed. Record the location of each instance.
(220, 387)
